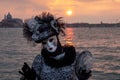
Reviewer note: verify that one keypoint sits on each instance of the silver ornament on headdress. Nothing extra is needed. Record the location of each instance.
(33, 25)
(53, 22)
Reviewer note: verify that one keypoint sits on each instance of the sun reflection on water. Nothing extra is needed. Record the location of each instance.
(68, 40)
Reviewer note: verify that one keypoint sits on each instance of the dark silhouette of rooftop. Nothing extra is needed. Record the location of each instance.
(9, 21)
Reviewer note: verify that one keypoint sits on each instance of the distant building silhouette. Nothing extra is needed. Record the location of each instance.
(93, 25)
(8, 16)
(9, 21)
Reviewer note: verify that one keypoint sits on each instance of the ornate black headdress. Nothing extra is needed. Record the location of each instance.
(42, 27)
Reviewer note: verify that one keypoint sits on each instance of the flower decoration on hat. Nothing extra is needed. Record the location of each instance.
(42, 27)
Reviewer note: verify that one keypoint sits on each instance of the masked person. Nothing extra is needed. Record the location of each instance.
(56, 62)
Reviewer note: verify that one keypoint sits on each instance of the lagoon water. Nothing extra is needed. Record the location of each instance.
(104, 44)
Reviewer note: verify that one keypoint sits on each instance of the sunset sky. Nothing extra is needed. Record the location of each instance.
(91, 11)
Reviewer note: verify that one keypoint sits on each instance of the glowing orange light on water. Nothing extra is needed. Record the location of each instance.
(69, 36)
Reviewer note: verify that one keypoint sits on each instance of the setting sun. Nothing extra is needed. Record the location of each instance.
(69, 12)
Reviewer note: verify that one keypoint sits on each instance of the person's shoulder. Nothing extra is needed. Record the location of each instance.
(85, 60)
(86, 53)
(84, 63)
(37, 60)
(38, 57)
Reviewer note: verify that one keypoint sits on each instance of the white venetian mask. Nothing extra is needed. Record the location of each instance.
(50, 44)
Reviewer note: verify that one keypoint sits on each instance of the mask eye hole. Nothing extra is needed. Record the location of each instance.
(51, 40)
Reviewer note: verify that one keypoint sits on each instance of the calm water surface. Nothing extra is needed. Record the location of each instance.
(104, 43)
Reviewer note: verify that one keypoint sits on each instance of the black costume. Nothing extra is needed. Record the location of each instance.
(63, 64)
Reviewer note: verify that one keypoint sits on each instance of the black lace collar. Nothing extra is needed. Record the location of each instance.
(68, 59)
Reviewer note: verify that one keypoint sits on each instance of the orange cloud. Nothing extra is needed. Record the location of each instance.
(83, 10)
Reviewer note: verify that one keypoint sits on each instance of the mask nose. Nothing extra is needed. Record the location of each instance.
(49, 44)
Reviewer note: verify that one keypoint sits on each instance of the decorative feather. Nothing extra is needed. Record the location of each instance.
(26, 32)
